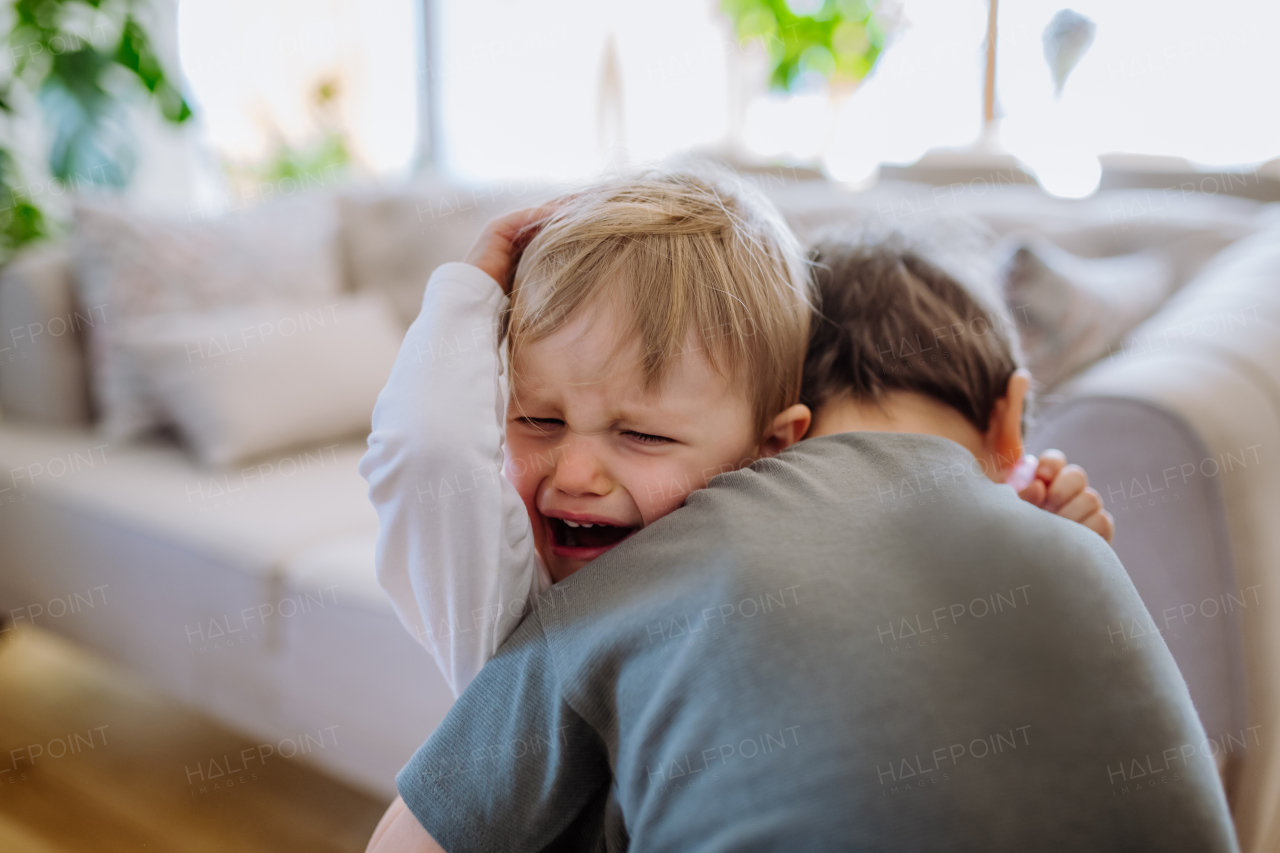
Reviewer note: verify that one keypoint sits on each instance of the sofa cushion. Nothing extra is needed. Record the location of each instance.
(130, 265)
(1069, 309)
(250, 595)
(344, 564)
(253, 517)
(42, 373)
(348, 662)
(394, 237)
(243, 381)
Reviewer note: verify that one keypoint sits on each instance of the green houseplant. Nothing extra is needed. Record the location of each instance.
(839, 39)
(76, 62)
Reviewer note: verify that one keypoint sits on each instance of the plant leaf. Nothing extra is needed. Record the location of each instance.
(136, 53)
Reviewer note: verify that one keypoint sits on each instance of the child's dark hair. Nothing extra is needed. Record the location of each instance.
(888, 319)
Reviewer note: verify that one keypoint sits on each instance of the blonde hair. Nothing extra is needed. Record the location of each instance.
(681, 252)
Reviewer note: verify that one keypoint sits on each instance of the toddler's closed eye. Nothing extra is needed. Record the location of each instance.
(646, 438)
(541, 424)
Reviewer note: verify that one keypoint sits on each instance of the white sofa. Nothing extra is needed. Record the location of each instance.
(251, 599)
(249, 592)
(177, 554)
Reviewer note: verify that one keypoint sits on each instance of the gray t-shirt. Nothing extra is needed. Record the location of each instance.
(860, 644)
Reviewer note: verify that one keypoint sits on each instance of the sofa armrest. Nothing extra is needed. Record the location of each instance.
(42, 364)
(1211, 359)
(1160, 482)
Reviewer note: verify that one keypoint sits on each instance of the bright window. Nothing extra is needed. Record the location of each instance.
(1178, 78)
(253, 68)
(563, 89)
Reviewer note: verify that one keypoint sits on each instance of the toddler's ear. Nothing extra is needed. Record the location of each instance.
(787, 428)
(1003, 439)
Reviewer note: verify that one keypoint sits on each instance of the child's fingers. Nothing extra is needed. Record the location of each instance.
(1051, 462)
(491, 252)
(529, 226)
(1035, 493)
(1102, 523)
(1069, 483)
(1067, 493)
(500, 243)
(521, 227)
(1081, 506)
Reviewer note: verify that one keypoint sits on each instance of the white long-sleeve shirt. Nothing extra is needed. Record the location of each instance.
(455, 546)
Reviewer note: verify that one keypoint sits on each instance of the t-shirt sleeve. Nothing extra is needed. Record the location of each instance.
(512, 765)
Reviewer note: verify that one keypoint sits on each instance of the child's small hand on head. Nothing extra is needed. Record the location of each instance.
(1064, 490)
(499, 245)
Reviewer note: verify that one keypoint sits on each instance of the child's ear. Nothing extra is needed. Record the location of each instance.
(787, 428)
(1003, 439)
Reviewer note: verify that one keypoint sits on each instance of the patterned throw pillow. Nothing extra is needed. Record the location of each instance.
(130, 265)
(394, 238)
(1069, 310)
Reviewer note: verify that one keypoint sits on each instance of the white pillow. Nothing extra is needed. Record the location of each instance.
(41, 362)
(129, 265)
(240, 382)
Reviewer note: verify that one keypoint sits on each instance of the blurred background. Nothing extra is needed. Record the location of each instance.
(217, 220)
(505, 90)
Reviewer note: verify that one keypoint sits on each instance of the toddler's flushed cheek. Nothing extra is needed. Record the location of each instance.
(662, 495)
(526, 469)
(664, 492)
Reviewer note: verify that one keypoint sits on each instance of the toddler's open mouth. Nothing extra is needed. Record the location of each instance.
(586, 541)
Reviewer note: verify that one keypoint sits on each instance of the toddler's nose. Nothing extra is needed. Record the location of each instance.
(579, 470)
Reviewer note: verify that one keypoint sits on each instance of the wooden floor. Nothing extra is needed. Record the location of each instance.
(121, 783)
